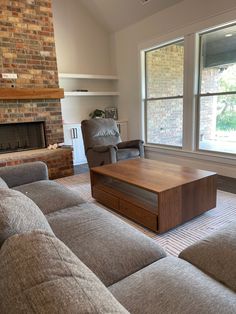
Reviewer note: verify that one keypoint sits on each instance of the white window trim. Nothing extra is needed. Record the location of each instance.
(190, 34)
(190, 91)
(224, 165)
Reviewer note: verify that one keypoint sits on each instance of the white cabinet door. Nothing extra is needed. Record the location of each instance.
(78, 146)
(73, 136)
(67, 133)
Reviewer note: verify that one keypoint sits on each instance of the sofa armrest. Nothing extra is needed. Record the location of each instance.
(24, 173)
(130, 144)
(101, 155)
(133, 144)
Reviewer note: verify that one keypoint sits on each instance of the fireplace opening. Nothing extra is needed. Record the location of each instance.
(22, 136)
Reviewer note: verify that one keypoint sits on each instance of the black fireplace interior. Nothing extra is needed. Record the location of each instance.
(22, 136)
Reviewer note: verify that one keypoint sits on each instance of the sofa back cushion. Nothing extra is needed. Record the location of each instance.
(19, 214)
(216, 255)
(39, 274)
(3, 184)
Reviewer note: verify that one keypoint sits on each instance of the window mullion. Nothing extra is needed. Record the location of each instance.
(190, 90)
(217, 94)
(161, 98)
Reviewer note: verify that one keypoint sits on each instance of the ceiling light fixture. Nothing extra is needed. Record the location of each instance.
(228, 35)
(144, 1)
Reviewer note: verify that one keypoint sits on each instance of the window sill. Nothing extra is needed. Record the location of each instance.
(229, 159)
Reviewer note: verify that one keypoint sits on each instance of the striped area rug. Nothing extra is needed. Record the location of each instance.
(175, 240)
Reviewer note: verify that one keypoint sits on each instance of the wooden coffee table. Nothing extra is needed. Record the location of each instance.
(155, 194)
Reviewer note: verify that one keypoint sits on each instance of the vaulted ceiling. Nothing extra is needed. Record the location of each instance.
(117, 14)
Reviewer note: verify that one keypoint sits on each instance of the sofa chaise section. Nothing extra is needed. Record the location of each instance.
(216, 255)
(173, 286)
(202, 280)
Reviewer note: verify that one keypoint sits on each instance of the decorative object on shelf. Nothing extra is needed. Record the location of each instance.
(97, 113)
(111, 113)
(80, 90)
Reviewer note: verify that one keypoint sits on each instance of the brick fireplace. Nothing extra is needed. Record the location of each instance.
(27, 48)
(12, 111)
(16, 137)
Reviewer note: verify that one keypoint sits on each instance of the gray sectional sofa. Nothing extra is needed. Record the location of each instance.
(60, 254)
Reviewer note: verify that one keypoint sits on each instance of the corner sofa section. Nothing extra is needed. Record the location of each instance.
(60, 254)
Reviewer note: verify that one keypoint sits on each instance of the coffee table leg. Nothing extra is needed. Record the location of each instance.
(180, 204)
(169, 209)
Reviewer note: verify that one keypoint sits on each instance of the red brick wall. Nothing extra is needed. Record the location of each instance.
(59, 161)
(27, 47)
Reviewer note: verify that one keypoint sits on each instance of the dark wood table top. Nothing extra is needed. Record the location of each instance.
(152, 175)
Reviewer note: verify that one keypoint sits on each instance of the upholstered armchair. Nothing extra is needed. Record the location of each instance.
(103, 144)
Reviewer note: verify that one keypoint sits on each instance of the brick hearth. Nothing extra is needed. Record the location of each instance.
(59, 161)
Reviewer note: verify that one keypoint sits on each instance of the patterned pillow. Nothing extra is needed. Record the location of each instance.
(40, 274)
(19, 214)
(3, 183)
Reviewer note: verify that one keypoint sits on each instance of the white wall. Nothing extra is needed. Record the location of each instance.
(174, 22)
(82, 45)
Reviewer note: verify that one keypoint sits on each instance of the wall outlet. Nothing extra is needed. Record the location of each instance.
(11, 76)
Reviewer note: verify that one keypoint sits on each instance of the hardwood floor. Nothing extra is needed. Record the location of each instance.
(81, 169)
(226, 184)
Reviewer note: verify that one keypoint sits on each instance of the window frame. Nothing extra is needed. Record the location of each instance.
(208, 94)
(146, 99)
(191, 118)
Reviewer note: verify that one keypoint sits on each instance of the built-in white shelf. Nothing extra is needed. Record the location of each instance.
(88, 76)
(88, 85)
(76, 94)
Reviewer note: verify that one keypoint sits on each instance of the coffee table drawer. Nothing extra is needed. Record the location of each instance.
(139, 214)
(105, 198)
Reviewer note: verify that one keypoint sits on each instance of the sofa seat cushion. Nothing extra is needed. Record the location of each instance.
(3, 184)
(111, 248)
(216, 255)
(127, 153)
(172, 285)
(19, 214)
(39, 274)
(50, 196)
